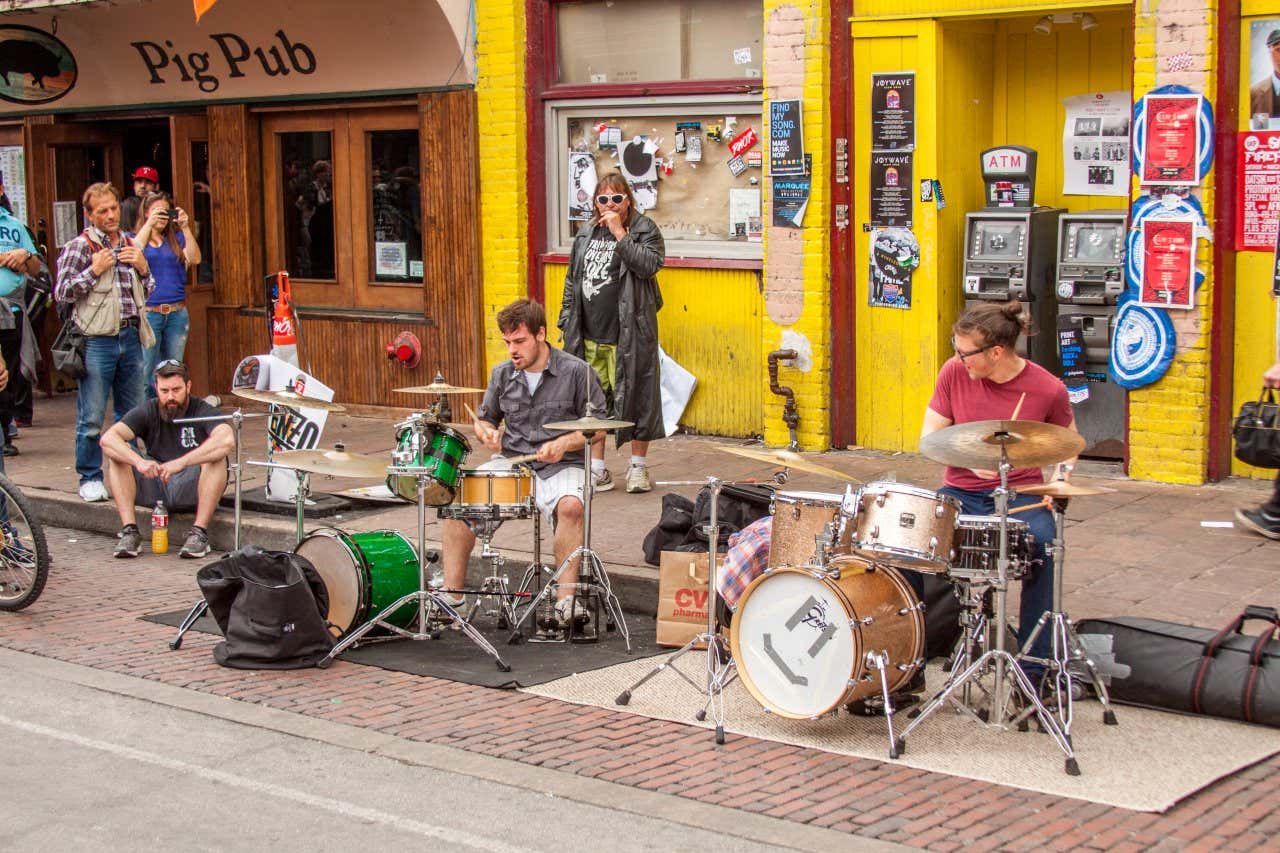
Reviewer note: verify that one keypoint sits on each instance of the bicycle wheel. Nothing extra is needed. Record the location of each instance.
(24, 553)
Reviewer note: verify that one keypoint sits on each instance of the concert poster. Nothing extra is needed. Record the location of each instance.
(1257, 190)
(1168, 263)
(1172, 142)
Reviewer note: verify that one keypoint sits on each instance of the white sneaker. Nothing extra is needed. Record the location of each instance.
(580, 612)
(603, 480)
(638, 479)
(92, 491)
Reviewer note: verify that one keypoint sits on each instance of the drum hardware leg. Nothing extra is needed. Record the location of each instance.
(199, 608)
(719, 663)
(1005, 664)
(879, 662)
(1067, 648)
(424, 596)
(591, 573)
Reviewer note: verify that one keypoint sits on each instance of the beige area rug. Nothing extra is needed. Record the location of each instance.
(1149, 762)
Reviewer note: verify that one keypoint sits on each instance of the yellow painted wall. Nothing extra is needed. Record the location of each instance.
(500, 55)
(1256, 310)
(1168, 434)
(979, 83)
(710, 323)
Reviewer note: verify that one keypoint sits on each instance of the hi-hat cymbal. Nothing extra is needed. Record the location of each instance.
(785, 458)
(291, 399)
(1063, 489)
(977, 444)
(335, 463)
(593, 424)
(438, 388)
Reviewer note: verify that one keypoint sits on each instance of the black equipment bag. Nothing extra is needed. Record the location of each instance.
(941, 616)
(271, 607)
(673, 525)
(738, 507)
(1257, 431)
(1223, 673)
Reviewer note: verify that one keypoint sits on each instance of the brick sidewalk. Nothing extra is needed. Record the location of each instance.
(89, 612)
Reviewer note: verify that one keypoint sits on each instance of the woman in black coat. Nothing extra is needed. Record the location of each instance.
(609, 318)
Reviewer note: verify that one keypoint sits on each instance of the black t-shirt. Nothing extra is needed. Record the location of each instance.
(600, 266)
(165, 440)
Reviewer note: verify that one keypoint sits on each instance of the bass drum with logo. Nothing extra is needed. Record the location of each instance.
(801, 635)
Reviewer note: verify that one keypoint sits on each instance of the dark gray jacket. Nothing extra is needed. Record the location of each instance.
(637, 389)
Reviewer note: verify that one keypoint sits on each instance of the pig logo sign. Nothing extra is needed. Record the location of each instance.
(35, 67)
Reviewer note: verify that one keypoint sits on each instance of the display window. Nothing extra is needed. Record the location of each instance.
(670, 95)
(342, 206)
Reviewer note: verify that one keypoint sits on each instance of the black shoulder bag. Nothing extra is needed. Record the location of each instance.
(1257, 431)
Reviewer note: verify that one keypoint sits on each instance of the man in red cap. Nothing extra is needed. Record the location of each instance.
(145, 180)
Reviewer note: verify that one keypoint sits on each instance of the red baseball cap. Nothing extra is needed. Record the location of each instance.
(147, 174)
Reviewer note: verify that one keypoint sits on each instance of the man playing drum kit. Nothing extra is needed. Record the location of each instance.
(988, 380)
(537, 385)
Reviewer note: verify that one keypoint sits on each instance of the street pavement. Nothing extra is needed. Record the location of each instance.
(1141, 550)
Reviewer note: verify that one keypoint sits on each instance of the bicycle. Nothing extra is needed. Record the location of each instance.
(24, 553)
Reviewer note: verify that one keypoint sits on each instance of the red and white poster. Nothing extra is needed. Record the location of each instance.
(1172, 142)
(1168, 263)
(1257, 190)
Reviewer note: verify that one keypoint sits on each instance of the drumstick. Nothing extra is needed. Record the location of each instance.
(472, 412)
(528, 457)
(1027, 507)
(1018, 408)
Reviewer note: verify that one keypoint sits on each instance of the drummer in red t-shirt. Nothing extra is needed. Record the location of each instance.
(985, 381)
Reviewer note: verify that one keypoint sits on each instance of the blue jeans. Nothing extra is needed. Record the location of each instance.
(1037, 585)
(115, 367)
(171, 342)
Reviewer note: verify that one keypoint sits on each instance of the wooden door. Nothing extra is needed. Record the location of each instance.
(189, 138)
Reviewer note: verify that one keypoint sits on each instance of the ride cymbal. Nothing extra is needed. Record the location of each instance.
(1029, 444)
(438, 388)
(1063, 489)
(335, 463)
(590, 423)
(786, 459)
(291, 399)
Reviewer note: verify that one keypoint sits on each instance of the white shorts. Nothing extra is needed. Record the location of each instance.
(548, 491)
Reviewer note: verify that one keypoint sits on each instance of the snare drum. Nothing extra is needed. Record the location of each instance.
(439, 451)
(801, 636)
(977, 548)
(492, 494)
(798, 517)
(363, 573)
(905, 526)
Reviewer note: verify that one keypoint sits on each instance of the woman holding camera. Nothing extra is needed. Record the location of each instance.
(164, 235)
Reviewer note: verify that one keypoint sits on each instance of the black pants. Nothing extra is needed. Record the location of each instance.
(11, 348)
(1272, 507)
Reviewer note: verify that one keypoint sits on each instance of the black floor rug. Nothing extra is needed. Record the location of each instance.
(456, 658)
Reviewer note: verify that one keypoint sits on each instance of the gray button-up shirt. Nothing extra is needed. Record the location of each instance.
(569, 389)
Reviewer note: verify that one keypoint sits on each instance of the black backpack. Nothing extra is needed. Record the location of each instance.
(271, 607)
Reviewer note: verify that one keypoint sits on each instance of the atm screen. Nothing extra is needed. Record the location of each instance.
(1094, 241)
(996, 240)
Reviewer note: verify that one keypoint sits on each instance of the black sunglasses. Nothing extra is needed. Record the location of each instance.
(616, 198)
(170, 362)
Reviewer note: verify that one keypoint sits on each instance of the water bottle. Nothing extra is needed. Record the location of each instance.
(160, 529)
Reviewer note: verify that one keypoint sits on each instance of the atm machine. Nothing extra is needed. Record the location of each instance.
(1009, 248)
(1090, 279)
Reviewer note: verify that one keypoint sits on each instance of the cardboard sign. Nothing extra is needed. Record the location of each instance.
(682, 597)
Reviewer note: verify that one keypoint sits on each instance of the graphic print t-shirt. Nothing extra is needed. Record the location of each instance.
(600, 264)
(165, 440)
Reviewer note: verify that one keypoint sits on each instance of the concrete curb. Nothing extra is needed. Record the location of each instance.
(637, 589)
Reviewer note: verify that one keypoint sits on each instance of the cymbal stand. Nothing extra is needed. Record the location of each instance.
(423, 595)
(1067, 648)
(720, 667)
(1004, 664)
(237, 419)
(545, 622)
(593, 581)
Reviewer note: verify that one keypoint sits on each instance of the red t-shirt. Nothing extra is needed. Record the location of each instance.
(964, 400)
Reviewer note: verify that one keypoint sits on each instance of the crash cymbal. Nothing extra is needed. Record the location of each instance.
(291, 399)
(1063, 489)
(438, 388)
(977, 444)
(593, 424)
(335, 463)
(786, 459)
